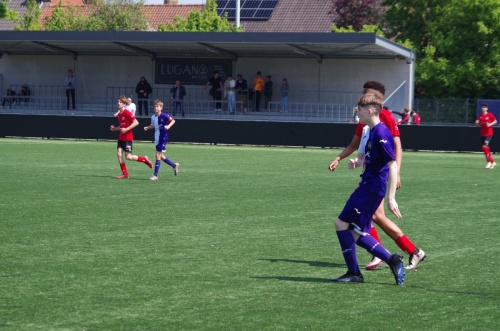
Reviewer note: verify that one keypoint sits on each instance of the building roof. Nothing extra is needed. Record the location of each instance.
(207, 45)
(157, 14)
(295, 16)
(15, 5)
(162, 14)
(288, 16)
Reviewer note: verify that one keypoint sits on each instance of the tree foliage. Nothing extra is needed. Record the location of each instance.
(31, 18)
(3, 8)
(100, 15)
(205, 21)
(354, 14)
(456, 42)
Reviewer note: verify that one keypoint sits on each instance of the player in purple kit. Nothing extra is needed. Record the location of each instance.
(161, 122)
(380, 174)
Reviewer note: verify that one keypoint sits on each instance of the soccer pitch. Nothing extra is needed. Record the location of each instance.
(242, 239)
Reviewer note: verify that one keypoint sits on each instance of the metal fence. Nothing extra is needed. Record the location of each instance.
(303, 105)
(446, 111)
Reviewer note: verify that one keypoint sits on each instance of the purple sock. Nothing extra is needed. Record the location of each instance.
(348, 246)
(170, 163)
(373, 247)
(157, 167)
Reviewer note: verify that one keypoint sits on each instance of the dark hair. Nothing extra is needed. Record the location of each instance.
(375, 85)
(484, 105)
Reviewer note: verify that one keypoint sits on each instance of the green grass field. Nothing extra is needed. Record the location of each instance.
(242, 239)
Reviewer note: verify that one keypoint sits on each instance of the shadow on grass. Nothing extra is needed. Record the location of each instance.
(311, 263)
(295, 279)
(113, 177)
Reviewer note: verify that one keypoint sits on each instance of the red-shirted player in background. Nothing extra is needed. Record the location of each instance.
(390, 228)
(415, 118)
(125, 138)
(486, 121)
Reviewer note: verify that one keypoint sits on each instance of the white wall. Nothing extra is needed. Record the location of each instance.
(94, 73)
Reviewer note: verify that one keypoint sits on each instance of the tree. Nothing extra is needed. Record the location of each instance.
(3, 9)
(31, 18)
(205, 21)
(456, 42)
(100, 15)
(356, 13)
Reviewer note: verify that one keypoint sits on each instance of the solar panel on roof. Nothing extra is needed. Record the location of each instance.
(249, 9)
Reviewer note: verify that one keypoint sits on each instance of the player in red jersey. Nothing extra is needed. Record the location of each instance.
(389, 227)
(486, 121)
(415, 118)
(125, 138)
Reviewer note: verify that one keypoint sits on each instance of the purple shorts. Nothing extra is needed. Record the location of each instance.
(360, 207)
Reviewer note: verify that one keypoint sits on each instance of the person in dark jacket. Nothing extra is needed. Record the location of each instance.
(178, 92)
(268, 93)
(143, 90)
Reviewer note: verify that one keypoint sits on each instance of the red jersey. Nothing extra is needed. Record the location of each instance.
(386, 118)
(416, 119)
(126, 119)
(483, 119)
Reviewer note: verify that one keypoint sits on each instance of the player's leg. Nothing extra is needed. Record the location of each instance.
(348, 246)
(375, 262)
(486, 150)
(395, 261)
(175, 166)
(131, 157)
(159, 156)
(395, 233)
(121, 161)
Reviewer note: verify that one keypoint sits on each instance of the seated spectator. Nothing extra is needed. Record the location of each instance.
(10, 98)
(415, 118)
(405, 116)
(25, 93)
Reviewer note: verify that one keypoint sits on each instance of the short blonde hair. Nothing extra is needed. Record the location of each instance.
(158, 102)
(370, 99)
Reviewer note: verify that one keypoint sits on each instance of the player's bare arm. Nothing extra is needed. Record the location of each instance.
(392, 205)
(398, 153)
(351, 148)
(172, 122)
(133, 125)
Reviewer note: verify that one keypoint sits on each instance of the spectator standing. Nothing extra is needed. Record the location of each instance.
(70, 85)
(258, 86)
(485, 121)
(415, 118)
(268, 93)
(10, 98)
(161, 122)
(284, 95)
(143, 90)
(216, 87)
(242, 88)
(229, 86)
(125, 138)
(178, 93)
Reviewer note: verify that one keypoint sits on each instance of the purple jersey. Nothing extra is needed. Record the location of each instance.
(378, 152)
(163, 121)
